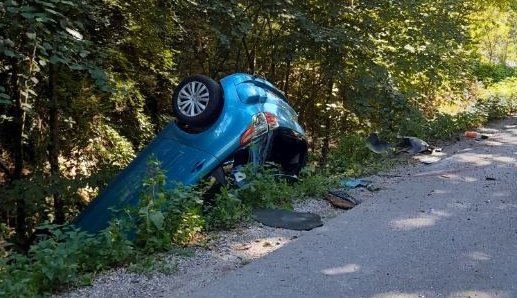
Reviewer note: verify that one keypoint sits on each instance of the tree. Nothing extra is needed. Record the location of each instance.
(40, 43)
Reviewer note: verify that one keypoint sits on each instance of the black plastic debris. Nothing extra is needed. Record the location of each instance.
(286, 219)
(377, 145)
(413, 145)
(341, 199)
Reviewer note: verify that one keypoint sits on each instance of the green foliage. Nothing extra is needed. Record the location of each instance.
(351, 157)
(128, 113)
(499, 100)
(313, 183)
(226, 210)
(264, 189)
(494, 31)
(166, 217)
(469, 120)
(442, 126)
(494, 73)
(413, 124)
(66, 256)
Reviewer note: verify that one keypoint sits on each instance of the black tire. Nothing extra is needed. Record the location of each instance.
(197, 101)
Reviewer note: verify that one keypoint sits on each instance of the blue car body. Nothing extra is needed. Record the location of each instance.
(189, 157)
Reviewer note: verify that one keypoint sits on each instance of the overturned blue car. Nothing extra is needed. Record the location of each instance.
(219, 127)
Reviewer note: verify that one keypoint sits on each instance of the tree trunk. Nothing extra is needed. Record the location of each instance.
(53, 148)
(326, 138)
(326, 143)
(287, 75)
(19, 119)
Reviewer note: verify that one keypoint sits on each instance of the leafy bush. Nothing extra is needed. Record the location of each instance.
(469, 120)
(68, 256)
(413, 124)
(64, 257)
(264, 189)
(351, 157)
(312, 183)
(494, 73)
(499, 100)
(496, 107)
(226, 211)
(166, 217)
(441, 126)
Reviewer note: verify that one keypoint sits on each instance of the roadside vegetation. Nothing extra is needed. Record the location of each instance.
(85, 86)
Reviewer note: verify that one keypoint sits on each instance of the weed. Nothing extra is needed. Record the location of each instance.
(64, 257)
(493, 73)
(313, 184)
(263, 189)
(166, 217)
(351, 158)
(226, 211)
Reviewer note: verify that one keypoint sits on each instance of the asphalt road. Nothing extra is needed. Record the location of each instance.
(443, 230)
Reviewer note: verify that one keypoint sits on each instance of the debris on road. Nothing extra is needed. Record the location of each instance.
(341, 199)
(428, 159)
(476, 135)
(373, 187)
(377, 145)
(278, 218)
(413, 145)
(354, 183)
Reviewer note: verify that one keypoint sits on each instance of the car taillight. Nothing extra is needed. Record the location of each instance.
(247, 136)
(259, 126)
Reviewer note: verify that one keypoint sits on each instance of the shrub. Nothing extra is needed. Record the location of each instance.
(264, 189)
(64, 257)
(494, 73)
(312, 183)
(226, 211)
(351, 157)
(166, 217)
(499, 100)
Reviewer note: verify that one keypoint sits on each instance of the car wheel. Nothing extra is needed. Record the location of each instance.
(197, 101)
